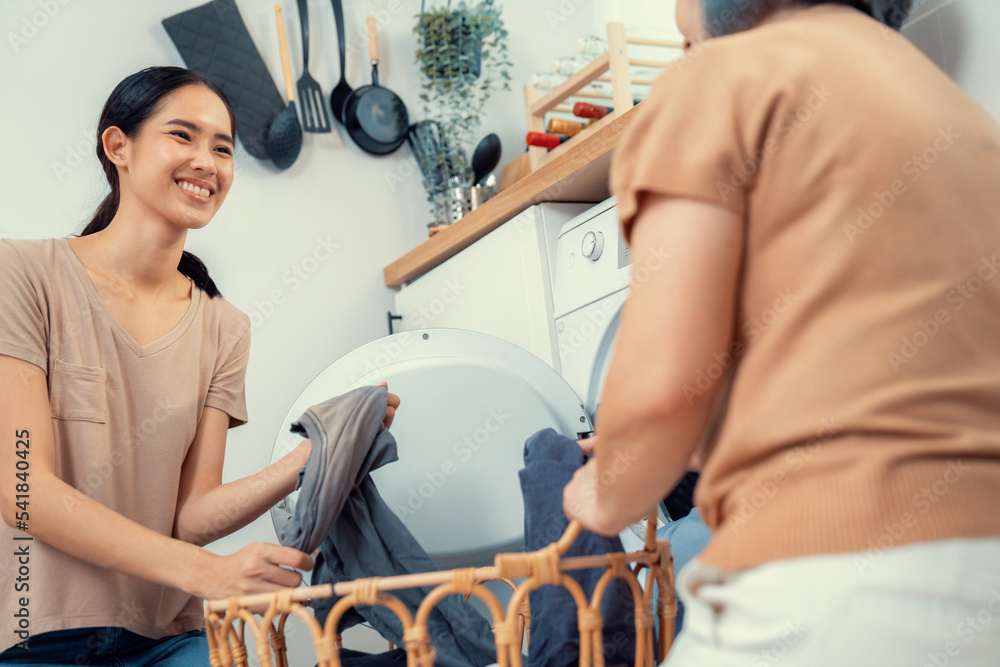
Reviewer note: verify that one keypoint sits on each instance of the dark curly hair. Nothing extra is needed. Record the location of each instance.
(725, 17)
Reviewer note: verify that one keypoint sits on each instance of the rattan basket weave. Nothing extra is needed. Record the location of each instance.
(226, 633)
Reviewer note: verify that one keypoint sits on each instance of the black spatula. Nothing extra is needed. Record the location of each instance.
(342, 90)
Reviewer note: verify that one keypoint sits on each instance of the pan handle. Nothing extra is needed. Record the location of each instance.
(373, 40)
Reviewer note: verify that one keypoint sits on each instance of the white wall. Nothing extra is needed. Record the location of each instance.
(58, 70)
(960, 37)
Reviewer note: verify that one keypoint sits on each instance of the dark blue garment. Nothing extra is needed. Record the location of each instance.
(108, 645)
(549, 463)
(349, 658)
(340, 511)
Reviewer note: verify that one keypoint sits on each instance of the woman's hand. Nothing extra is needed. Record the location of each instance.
(588, 444)
(301, 453)
(258, 567)
(392, 404)
(581, 501)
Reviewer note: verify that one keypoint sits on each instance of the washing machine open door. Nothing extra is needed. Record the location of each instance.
(468, 403)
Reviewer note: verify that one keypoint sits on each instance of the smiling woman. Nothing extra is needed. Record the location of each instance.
(121, 370)
(154, 105)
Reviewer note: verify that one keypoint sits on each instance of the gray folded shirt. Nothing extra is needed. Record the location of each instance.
(340, 511)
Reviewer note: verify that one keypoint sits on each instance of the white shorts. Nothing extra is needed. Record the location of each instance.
(929, 604)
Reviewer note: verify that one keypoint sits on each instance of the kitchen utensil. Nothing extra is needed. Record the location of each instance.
(214, 42)
(374, 116)
(285, 138)
(484, 190)
(454, 203)
(314, 115)
(341, 92)
(486, 157)
(423, 140)
(417, 147)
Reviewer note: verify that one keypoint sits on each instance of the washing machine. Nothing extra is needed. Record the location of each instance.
(470, 400)
(468, 403)
(591, 271)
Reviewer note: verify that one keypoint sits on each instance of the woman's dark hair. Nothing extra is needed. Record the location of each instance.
(725, 17)
(130, 105)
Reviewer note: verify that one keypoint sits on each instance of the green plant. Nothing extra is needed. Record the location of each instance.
(462, 55)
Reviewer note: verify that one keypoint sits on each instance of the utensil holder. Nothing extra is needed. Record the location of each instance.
(452, 204)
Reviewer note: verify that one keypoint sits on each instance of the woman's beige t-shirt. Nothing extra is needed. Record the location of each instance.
(124, 416)
(865, 403)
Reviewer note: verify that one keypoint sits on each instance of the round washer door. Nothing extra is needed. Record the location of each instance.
(468, 403)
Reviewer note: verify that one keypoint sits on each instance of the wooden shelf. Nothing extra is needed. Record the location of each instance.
(578, 173)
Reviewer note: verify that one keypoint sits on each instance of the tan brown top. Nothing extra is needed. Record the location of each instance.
(864, 408)
(124, 416)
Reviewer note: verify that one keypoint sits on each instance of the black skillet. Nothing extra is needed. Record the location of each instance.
(374, 116)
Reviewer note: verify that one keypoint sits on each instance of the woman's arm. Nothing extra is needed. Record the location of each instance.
(63, 517)
(678, 320)
(207, 509)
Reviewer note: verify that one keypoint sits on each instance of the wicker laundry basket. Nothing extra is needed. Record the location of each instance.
(226, 633)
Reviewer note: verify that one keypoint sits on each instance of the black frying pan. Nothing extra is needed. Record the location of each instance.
(374, 116)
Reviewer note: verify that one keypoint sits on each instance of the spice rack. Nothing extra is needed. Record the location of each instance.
(576, 171)
(612, 65)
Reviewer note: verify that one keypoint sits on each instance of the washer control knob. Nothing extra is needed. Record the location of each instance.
(593, 245)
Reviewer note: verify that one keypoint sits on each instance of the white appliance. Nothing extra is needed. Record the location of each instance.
(591, 271)
(474, 365)
(559, 273)
(500, 285)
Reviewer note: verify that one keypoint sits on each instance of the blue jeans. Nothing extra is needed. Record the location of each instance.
(110, 646)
